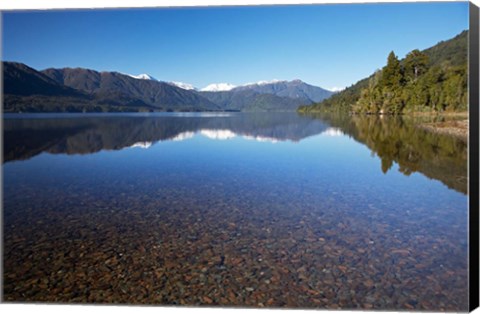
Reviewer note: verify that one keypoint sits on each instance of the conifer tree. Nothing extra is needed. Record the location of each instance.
(416, 64)
(392, 73)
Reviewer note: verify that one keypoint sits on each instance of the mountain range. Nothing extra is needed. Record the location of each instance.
(114, 87)
(78, 89)
(295, 89)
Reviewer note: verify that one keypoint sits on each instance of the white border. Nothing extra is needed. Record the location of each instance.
(55, 4)
(82, 4)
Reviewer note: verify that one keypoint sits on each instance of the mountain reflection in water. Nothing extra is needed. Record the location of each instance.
(92, 134)
(439, 157)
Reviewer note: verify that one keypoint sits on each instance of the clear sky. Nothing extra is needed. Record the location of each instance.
(324, 45)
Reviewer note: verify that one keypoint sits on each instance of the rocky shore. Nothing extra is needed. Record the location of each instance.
(457, 128)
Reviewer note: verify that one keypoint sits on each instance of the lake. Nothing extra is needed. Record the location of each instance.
(234, 209)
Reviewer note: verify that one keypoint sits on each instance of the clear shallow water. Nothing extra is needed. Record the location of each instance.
(238, 209)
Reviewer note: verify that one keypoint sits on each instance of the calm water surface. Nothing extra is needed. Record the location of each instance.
(234, 209)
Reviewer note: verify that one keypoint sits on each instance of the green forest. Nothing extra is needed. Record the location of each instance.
(433, 80)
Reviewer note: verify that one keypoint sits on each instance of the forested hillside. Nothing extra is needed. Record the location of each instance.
(432, 80)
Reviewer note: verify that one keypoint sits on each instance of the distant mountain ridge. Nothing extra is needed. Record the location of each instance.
(103, 85)
(249, 100)
(264, 95)
(296, 89)
(79, 89)
(20, 79)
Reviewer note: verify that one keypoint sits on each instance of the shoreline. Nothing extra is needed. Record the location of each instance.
(456, 125)
(456, 128)
(462, 114)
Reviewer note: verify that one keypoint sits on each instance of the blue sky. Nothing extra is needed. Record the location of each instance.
(324, 45)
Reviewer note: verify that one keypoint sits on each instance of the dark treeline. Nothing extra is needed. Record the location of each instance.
(433, 80)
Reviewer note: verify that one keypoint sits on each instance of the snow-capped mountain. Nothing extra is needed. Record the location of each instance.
(263, 82)
(336, 89)
(143, 77)
(218, 87)
(295, 89)
(222, 87)
(183, 85)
